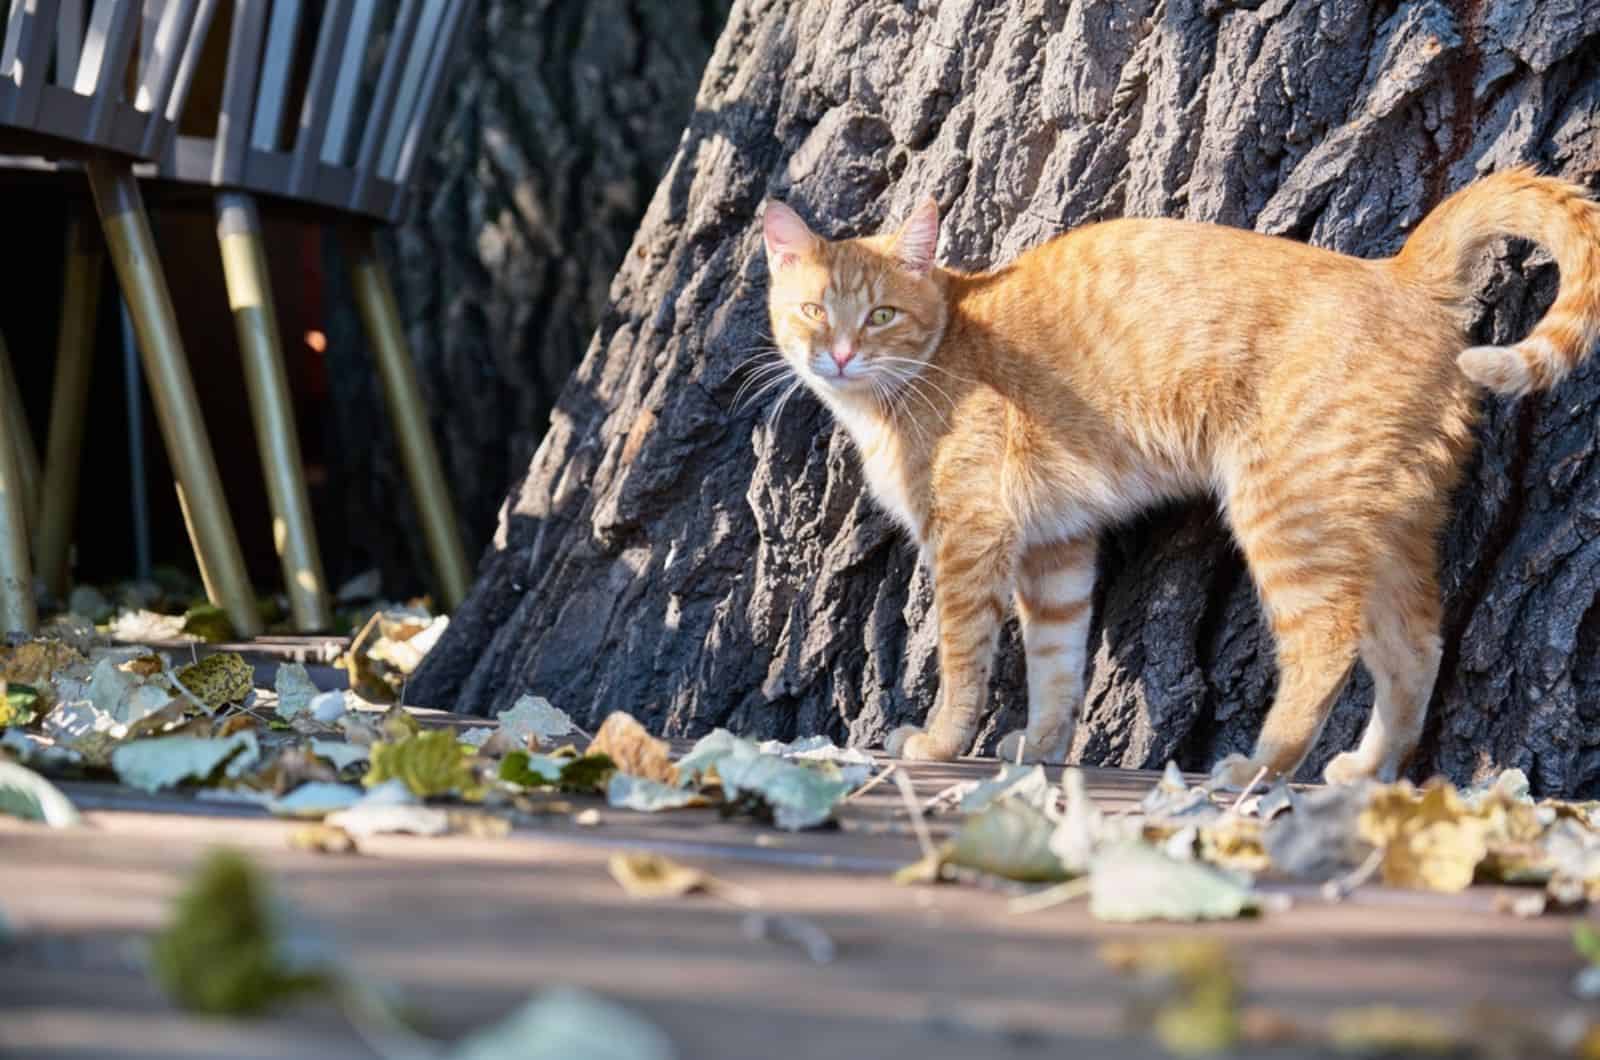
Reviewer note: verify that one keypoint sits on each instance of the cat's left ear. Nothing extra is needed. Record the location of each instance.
(918, 238)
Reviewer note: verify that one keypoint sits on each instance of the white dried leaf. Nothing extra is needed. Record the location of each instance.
(25, 794)
(316, 799)
(566, 1023)
(151, 765)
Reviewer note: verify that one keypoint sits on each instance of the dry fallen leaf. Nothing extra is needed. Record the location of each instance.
(653, 876)
(1429, 841)
(634, 751)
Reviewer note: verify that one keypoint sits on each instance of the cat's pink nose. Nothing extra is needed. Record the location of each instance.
(843, 352)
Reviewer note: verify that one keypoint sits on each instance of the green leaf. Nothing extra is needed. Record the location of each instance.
(1011, 839)
(1586, 939)
(151, 765)
(295, 689)
(20, 705)
(223, 952)
(798, 796)
(531, 770)
(209, 623)
(712, 748)
(627, 792)
(1024, 783)
(587, 774)
(1132, 882)
(430, 763)
(25, 794)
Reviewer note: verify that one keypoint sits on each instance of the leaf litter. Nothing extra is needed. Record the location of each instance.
(78, 707)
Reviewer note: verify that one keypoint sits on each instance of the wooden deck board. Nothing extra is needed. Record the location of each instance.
(470, 927)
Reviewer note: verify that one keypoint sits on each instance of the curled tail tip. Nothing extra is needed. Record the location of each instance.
(1502, 369)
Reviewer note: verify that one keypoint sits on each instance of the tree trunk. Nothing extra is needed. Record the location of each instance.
(561, 118)
(670, 554)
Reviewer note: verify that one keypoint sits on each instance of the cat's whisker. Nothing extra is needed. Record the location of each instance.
(928, 364)
(772, 418)
(761, 379)
(765, 390)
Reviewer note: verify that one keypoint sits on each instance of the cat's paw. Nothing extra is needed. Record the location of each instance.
(1349, 768)
(1234, 773)
(910, 742)
(1012, 743)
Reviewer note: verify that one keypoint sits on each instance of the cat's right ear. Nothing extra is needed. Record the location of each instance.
(787, 237)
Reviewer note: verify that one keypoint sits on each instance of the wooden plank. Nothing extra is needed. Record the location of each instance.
(467, 928)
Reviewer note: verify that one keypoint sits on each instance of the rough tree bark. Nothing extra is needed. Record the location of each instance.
(670, 554)
(562, 118)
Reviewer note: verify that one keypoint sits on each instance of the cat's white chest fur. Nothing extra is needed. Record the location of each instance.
(879, 451)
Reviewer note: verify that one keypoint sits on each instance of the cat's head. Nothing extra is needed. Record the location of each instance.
(854, 317)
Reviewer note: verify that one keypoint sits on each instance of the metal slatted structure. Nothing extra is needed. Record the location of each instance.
(327, 104)
(374, 77)
(324, 104)
(64, 70)
(102, 83)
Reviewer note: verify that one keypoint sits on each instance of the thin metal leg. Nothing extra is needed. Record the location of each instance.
(20, 437)
(58, 502)
(398, 375)
(133, 255)
(17, 614)
(244, 264)
(139, 493)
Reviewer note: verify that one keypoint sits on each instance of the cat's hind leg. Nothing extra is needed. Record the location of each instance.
(1400, 647)
(1312, 570)
(1055, 582)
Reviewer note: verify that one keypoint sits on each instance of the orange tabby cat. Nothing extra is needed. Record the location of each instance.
(1005, 417)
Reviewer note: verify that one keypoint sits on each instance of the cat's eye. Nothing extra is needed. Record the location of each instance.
(814, 311)
(882, 315)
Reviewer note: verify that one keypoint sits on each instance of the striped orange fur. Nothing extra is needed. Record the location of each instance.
(1005, 417)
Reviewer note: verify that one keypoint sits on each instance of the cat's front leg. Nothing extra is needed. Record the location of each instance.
(973, 571)
(1055, 582)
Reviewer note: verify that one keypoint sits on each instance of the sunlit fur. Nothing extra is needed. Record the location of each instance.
(1326, 401)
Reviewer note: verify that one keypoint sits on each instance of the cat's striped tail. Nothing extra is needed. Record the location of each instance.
(1559, 216)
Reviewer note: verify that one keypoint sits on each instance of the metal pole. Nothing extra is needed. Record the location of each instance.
(133, 385)
(403, 395)
(244, 265)
(58, 501)
(133, 254)
(17, 613)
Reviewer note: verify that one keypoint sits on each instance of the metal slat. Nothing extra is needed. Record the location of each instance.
(411, 85)
(427, 115)
(69, 40)
(107, 49)
(190, 60)
(276, 65)
(348, 86)
(319, 94)
(405, 27)
(238, 92)
(27, 53)
(159, 55)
